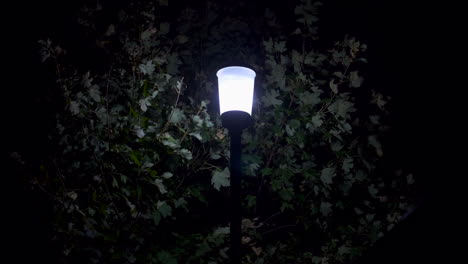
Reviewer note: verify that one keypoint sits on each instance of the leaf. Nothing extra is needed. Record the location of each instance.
(221, 231)
(147, 68)
(185, 153)
(94, 93)
(373, 141)
(297, 59)
(325, 208)
(180, 203)
(176, 116)
(196, 135)
(144, 103)
(74, 107)
(139, 132)
(317, 120)
(220, 179)
(268, 45)
(164, 209)
(290, 131)
(333, 87)
(167, 175)
(197, 120)
(343, 250)
(163, 2)
(341, 108)
(182, 39)
(164, 28)
(355, 79)
(166, 258)
(327, 175)
(310, 99)
(372, 190)
(410, 179)
(347, 165)
(270, 98)
(280, 46)
(160, 185)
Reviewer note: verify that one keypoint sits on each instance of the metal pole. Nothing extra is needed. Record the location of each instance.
(235, 206)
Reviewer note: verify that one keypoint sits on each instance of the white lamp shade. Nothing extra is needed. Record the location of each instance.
(236, 88)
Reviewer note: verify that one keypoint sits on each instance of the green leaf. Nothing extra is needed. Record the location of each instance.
(355, 79)
(333, 87)
(160, 185)
(166, 258)
(164, 28)
(327, 175)
(347, 165)
(177, 116)
(317, 120)
(220, 179)
(74, 107)
(374, 142)
(268, 45)
(186, 154)
(94, 93)
(342, 108)
(310, 99)
(164, 209)
(270, 98)
(197, 136)
(167, 175)
(147, 68)
(325, 208)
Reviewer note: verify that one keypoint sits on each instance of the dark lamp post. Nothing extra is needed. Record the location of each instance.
(236, 86)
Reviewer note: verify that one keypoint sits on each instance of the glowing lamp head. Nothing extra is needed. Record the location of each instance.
(236, 88)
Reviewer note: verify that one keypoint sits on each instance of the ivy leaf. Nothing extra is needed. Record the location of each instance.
(180, 203)
(182, 39)
(197, 136)
(220, 179)
(355, 79)
(342, 108)
(373, 141)
(197, 120)
(147, 68)
(327, 175)
(160, 185)
(94, 93)
(290, 131)
(74, 107)
(268, 45)
(164, 209)
(176, 116)
(164, 28)
(317, 120)
(297, 59)
(144, 103)
(166, 258)
(167, 175)
(310, 99)
(325, 208)
(139, 132)
(280, 46)
(347, 165)
(185, 153)
(333, 87)
(270, 98)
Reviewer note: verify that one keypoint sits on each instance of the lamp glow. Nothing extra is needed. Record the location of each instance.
(236, 87)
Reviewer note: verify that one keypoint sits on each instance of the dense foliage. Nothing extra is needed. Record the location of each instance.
(139, 168)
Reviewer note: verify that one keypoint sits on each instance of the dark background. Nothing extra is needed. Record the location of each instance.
(414, 55)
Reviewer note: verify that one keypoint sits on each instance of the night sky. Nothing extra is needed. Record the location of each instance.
(413, 54)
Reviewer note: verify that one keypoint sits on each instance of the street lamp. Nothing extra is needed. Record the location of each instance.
(236, 87)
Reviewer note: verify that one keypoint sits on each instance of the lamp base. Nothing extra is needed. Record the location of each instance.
(236, 120)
